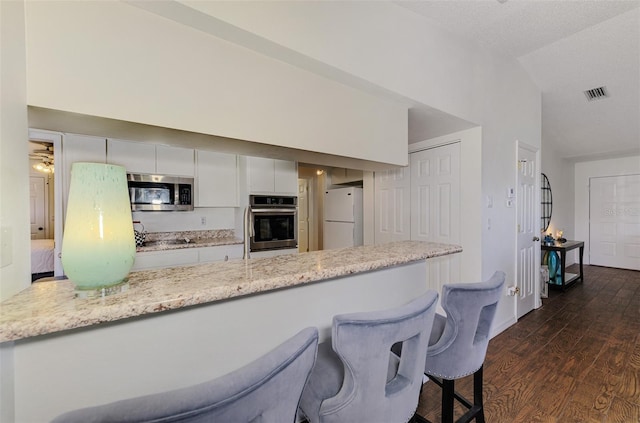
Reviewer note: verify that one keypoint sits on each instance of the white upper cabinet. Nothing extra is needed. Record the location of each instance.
(272, 176)
(285, 176)
(134, 156)
(340, 175)
(79, 148)
(261, 174)
(216, 179)
(139, 157)
(176, 161)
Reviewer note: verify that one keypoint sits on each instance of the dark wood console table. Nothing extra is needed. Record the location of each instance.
(567, 279)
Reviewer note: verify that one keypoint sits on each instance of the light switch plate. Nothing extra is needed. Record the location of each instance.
(6, 246)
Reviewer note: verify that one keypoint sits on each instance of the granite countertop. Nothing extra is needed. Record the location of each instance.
(49, 307)
(160, 241)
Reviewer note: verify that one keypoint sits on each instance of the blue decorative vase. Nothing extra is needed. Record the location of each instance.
(553, 264)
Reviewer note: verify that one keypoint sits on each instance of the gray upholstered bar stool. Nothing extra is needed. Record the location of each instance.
(356, 378)
(458, 343)
(266, 390)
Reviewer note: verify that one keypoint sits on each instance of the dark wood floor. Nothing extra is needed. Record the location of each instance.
(575, 359)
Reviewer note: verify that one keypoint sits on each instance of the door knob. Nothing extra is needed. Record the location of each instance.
(40, 228)
(535, 238)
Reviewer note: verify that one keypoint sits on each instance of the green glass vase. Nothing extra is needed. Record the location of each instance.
(98, 246)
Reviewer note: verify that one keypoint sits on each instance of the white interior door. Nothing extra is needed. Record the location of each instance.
(435, 207)
(303, 215)
(528, 232)
(38, 209)
(614, 221)
(392, 205)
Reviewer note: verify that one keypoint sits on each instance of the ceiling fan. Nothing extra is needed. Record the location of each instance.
(43, 155)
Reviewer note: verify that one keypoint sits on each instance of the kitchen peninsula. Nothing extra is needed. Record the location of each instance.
(184, 325)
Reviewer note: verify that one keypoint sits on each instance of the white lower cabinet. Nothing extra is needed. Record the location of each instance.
(220, 253)
(186, 256)
(167, 258)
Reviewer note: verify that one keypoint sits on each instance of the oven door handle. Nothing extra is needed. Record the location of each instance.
(284, 211)
(250, 224)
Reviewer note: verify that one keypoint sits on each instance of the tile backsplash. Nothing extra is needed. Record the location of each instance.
(198, 220)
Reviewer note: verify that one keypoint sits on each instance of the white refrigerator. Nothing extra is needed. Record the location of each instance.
(342, 218)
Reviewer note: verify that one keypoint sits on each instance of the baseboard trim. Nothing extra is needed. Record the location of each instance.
(496, 330)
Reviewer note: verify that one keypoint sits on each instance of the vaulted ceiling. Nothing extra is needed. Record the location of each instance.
(567, 47)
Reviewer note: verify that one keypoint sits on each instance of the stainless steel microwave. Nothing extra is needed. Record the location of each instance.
(160, 193)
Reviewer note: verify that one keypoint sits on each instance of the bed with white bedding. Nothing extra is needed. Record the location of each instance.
(41, 258)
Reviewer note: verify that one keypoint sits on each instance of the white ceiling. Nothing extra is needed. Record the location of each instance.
(567, 47)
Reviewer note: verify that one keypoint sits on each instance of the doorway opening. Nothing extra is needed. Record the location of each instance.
(311, 183)
(45, 206)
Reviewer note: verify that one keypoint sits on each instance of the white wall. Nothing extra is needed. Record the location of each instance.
(114, 60)
(14, 176)
(584, 171)
(14, 163)
(561, 178)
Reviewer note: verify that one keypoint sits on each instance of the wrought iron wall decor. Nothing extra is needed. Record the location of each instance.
(546, 202)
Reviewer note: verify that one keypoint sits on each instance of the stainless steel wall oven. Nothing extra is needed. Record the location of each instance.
(273, 221)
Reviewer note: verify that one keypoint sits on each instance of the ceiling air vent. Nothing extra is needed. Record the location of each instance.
(596, 93)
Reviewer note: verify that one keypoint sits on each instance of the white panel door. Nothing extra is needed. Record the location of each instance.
(435, 207)
(392, 203)
(528, 232)
(37, 199)
(614, 224)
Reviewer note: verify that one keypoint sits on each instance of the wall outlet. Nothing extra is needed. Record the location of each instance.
(203, 220)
